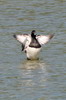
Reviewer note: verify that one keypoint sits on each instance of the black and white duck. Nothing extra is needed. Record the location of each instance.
(32, 43)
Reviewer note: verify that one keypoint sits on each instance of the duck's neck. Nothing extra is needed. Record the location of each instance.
(34, 42)
(33, 35)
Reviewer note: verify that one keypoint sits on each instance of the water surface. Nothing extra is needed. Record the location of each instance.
(43, 79)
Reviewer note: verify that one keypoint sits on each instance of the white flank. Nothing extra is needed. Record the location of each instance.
(32, 53)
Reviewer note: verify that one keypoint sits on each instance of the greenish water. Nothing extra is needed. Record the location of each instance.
(44, 79)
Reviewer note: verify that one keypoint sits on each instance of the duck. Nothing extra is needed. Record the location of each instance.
(32, 43)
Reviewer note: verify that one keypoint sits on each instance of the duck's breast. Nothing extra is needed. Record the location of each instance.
(32, 53)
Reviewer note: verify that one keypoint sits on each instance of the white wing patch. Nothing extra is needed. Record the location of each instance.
(42, 39)
(22, 38)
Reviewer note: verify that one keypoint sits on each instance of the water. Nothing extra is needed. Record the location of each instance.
(43, 79)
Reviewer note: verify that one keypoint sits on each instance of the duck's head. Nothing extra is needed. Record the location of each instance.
(32, 33)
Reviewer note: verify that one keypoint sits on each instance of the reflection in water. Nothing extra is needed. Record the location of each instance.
(33, 74)
(26, 81)
(32, 64)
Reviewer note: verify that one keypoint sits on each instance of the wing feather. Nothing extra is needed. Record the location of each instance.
(21, 38)
(43, 39)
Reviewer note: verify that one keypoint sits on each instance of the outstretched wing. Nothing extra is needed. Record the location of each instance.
(24, 39)
(43, 39)
(21, 38)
